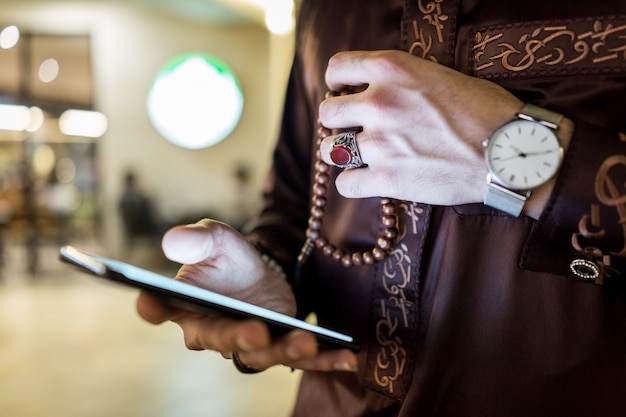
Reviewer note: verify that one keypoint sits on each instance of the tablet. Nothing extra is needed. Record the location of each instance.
(195, 299)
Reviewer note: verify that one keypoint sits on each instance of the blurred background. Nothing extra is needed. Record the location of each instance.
(119, 119)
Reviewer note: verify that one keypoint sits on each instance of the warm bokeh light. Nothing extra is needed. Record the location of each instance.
(9, 37)
(14, 117)
(195, 101)
(89, 124)
(65, 170)
(49, 70)
(279, 16)
(37, 119)
(44, 160)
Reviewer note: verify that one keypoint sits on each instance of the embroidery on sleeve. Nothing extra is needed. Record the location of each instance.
(562, 47)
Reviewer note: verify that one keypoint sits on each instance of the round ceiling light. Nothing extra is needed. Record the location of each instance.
(195, 101)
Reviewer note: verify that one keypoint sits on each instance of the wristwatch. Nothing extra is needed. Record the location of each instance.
(521, 156)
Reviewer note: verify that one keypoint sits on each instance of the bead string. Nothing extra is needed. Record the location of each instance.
(314, 238)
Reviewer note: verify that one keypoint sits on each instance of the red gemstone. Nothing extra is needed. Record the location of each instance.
(341, 155)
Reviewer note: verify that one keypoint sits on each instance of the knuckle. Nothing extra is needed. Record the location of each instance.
(348, 187)
(391, 181)
(388, 61)
(192, 343)
(324, 111)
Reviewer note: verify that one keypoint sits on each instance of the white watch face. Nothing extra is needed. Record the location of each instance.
(523, 154)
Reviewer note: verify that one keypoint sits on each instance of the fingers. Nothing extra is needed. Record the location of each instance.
(343, 112)
(353, 71)
(223, 334)
(299, 349)
(252, 341)
(357, 68)
(152, 309)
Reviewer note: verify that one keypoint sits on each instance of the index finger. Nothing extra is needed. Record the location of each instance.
(152, 309)
(347, 69)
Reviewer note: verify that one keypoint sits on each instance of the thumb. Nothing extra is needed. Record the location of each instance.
(194, 243)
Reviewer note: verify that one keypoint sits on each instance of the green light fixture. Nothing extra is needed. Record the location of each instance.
(195, 101)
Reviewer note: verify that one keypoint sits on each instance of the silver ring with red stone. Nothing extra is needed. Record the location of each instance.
(344, 152)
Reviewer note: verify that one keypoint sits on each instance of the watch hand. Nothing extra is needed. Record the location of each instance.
(513, 157)
(522, 154)
(519, 154)
(539, 153)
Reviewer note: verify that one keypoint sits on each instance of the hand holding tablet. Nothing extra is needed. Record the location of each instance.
(195, 299)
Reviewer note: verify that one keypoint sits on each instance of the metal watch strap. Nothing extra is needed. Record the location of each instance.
(538, 114)
(505, 200)
(510, 201)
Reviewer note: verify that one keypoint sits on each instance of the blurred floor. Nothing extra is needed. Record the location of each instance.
(74, 347)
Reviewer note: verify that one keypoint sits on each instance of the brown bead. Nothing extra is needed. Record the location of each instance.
(317, 212)
(322, 167)
(328, 250)
(346, 261)
(319, 190)
(389, 221)
(368, 258)
(383, 244)
(322, 178)
(323, 132)
(312, 234)
(320, 202)
(392, 234)
(357, 258)
(389, 209)
(337, 255)
(378, 253)
(315, 224)
(320, 242)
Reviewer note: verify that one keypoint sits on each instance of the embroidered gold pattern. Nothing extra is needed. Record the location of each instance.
(413, 212)
(555, 47)
(427, 33)
(430, 31)
(395, 310)
(589, 227)
(391, 358)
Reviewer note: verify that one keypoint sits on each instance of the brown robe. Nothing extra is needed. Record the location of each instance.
(475, 313)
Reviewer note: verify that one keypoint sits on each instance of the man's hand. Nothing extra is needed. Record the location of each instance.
(423, 126)
(218, 258)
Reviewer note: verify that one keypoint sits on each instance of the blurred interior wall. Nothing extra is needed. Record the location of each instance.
(129, 46)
